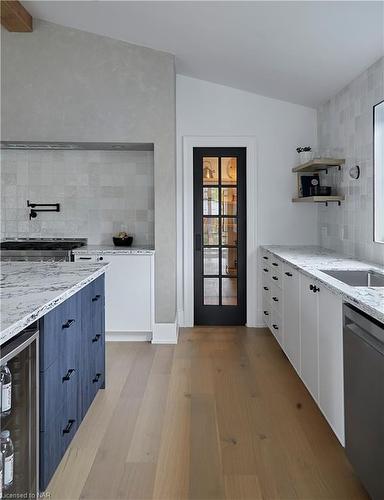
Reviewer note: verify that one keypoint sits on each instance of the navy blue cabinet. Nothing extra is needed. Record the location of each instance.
(72, 369)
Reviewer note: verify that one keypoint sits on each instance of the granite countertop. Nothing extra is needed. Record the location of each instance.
(31, 289)
(310, 259)
(113, 250)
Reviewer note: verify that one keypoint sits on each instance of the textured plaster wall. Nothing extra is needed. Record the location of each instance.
(64, 84)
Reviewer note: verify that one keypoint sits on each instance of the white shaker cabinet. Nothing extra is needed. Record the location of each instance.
(331, 376)
(291, 312)
(129, 295)
(309, 347)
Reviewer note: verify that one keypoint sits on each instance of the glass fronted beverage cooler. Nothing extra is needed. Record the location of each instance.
(19, 415)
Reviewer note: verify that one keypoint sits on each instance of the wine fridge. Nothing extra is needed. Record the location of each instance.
(19, 376)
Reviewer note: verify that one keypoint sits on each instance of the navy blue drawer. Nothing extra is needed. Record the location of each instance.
(58, 328)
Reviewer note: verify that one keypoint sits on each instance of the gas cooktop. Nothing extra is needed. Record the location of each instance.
(38, 249)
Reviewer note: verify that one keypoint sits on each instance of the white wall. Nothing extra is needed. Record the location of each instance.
(208, 109)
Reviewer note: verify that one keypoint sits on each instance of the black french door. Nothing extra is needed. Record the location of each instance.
(219, 236)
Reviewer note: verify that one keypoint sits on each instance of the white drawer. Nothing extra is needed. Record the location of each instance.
(267, 313)
(276, 278)
(276, 298)
(276, 326)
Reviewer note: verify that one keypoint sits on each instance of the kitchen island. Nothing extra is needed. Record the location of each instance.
(67, 301)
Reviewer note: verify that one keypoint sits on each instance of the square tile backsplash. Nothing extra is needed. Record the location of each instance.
(100, 193)
(345, 129)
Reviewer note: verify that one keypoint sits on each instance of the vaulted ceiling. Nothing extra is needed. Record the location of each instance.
(303, 52)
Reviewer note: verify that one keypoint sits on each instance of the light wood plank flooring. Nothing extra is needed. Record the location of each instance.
(222, 415)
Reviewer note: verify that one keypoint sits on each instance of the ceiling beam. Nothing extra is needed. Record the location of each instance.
(14, 17)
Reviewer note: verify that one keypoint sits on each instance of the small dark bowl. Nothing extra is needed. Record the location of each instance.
(320, 190)
(122, 242)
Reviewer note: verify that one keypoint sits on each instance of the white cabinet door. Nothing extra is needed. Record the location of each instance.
(291, 312)
(128, 294)
(309, 350)
(331, 376)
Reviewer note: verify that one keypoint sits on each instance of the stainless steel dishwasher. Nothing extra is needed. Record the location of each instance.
(364, 398)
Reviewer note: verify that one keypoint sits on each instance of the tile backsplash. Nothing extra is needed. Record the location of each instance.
(100, 192)
(345, 131)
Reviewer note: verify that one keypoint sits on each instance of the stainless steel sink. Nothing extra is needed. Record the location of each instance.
(357, 278)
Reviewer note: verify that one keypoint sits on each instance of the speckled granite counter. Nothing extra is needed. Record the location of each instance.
(28, 290)
(310, 259)
(112, 250)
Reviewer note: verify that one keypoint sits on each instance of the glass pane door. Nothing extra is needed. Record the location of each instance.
(219, 211)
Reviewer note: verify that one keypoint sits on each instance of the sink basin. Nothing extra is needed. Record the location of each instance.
(357, 278)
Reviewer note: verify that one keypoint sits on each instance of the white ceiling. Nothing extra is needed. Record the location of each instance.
(303, 52)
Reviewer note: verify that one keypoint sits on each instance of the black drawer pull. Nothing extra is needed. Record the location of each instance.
(275, 327)
(266, 288)
(96, 337)
(68, 427)
(266, 258)
(275, 278)
(266, 313)
(275, 264)
(288, 274)
(97, 378)
(316, 289)
(275, 299)
(68, 323)
(266, 270)
(100, 258)
(95, 298)
(85, 258)
(67, 376)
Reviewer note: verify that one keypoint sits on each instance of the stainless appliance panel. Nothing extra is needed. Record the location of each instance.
(364, 398)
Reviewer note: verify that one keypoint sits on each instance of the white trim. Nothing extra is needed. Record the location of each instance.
(128, 336)
(249, 142)
(165, 333)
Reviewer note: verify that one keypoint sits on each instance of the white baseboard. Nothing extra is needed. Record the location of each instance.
(128, 336)
(165, 333)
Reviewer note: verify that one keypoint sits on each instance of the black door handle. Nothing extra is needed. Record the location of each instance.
(311, 287)
(266, 313)
(266, 288)
(266, 270)
(288, 274)
(97, 378)
(275, 299)
(275, 327)
(275, 264)
(96, 337)
(266, 258)
(85, 258)
(198, 242)
(96, 297)
(68, 323)
(316, 289)
(275, 278)
(68, 427)
(67, 376)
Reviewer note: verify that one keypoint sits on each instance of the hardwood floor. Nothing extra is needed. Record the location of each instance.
(222, 415)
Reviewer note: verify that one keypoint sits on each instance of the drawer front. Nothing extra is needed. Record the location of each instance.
(276, 298)
(266, 288)
(276, 278)
(276, 326)
(267, 313)
(55, 439)
(60, 330)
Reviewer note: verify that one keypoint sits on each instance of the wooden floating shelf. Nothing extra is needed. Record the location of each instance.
(319, 164)
(319, 199)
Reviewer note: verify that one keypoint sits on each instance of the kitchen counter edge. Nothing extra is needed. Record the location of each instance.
(368, 300)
